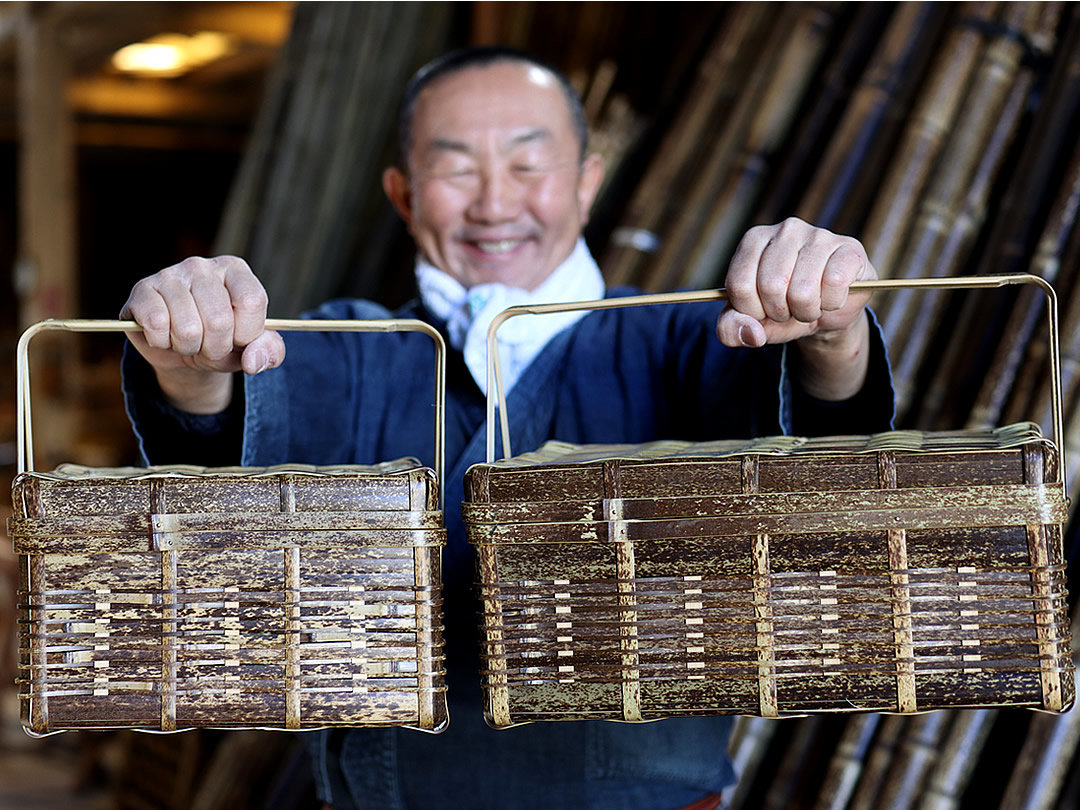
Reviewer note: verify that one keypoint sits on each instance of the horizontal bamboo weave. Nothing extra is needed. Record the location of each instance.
(293, 597)
(899, 572)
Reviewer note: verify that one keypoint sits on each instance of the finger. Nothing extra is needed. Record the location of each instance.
(741, 281)
(845, 265)
(265, 352)
(775, 269)
(248, 300)
(216, 316)
(736, 329)
(147, 308)
(185, 322)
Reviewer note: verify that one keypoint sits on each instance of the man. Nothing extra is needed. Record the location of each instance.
(495, 185)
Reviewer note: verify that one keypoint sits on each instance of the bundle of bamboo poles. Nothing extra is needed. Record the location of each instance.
(944, 136)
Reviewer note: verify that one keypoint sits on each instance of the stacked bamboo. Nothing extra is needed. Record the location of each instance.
(941, 134)
(944, 136)
(301, 201)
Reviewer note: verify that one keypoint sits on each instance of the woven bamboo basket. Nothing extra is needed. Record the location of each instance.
(290, 597)
(899, 572)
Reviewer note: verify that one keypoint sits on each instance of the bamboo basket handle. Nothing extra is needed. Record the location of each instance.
(23, 420)
(496, 396)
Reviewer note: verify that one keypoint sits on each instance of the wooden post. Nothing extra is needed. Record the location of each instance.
(46, 279)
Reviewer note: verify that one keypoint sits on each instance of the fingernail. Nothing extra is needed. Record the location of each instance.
(262, 362)
(745, 335)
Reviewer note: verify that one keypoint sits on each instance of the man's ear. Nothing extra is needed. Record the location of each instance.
(396, 186)
(592, 176)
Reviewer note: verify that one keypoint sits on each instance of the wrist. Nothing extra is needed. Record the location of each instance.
(833, 363)
(193, 391)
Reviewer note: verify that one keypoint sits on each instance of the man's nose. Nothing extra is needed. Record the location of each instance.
(498, 198)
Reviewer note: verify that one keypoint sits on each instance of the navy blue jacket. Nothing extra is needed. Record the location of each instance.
(618, 376)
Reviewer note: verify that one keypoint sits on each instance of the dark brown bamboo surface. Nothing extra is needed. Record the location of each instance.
(179, 597)
(898, 573)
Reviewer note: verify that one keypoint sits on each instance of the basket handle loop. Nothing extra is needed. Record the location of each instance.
(495, 392)
(25, 436)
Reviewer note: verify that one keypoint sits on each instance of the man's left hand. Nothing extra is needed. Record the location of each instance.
(790, 281)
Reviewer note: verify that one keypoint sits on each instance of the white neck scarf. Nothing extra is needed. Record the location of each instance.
(468, 312)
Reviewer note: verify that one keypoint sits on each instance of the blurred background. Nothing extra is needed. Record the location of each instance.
(944, 135)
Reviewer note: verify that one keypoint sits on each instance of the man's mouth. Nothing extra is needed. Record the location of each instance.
(498, 246)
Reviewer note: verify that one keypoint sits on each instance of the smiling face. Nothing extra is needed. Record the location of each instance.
(496, 189)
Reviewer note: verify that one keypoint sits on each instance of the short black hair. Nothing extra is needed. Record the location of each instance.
(481, 56)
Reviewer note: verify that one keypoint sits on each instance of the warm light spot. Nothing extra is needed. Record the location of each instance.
(172, 54)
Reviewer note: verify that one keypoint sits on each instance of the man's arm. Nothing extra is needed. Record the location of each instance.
(789, 282)
(203, 320)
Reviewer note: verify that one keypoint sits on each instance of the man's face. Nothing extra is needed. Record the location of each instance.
(495, 189)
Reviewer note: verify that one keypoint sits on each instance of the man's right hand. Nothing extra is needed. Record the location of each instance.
(203, 320)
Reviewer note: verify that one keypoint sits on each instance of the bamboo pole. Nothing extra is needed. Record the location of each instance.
(664, 267)
(749, 742)
(1020, 331)
(965, 743)
(1050, 746)
(1013, 232)
(810, 141)
(875, 771)
(780, 100)
(915, 758)
(872, 117)
(658, 197)
(909, 323)
(955, 201)
(846, 767)
(934, 116)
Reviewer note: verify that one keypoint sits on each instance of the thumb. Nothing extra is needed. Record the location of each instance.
(264, 352)
(738, 329)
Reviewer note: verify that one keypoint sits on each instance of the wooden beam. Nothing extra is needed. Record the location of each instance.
(46, 278)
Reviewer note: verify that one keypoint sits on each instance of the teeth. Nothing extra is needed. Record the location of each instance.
(502, 246)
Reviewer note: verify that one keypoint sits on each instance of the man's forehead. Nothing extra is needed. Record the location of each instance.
(481, 80)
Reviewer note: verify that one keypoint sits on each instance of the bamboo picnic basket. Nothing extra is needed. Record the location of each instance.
(899, 572)
(177, 597)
